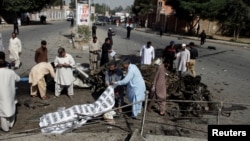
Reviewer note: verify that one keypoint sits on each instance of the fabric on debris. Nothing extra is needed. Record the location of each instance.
(64, 120)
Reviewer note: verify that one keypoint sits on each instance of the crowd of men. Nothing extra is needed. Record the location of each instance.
(61, 71)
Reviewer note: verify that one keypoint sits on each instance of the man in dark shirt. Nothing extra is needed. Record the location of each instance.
(169, 55)
(128, 31)
(193, 56)
(41, 54)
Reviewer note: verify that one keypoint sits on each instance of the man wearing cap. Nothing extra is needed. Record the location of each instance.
(183, 58)
(169, 55)
(147, 53)
(193, 56)
(158, 92)
(7, 95)
(110, 35)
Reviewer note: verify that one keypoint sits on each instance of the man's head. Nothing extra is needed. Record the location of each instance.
(125, 63)
(183, 46)
(149, 44)
(43, 44)
(171, 43)
(61, 52)
(94, 39)
(107, 40)
(2, 59)
(112, 66)
(110, 29)
(191, 44)
(13, 35)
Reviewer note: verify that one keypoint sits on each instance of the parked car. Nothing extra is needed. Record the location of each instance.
(101, 22)
(69, 17)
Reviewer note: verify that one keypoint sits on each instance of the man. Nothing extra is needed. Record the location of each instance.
(203, 37)
(193, 56)
(169, 55)
(106, 49)
(128, 31)
(135, 86)
(158, 90)
(41, 54)
(37, 81)
(15, 26)
(114, 74)
(94, 48)
(147, 53)
(183, 58)
(15, 50)
(110, 35)
(94, 27)
(7, 95)
(64, 74)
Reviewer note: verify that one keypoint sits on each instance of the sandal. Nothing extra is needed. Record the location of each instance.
(45, 97)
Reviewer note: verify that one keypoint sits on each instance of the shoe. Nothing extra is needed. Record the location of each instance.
(45, 97)
(134, 117)
(34, 96)
(162, 114)
(15, 68)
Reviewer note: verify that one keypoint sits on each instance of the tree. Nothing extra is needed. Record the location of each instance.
(143, 8)
(234, 17)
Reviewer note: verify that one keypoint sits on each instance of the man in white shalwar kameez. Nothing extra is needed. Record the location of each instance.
(7, 95)
(183, 58)
(64, 74)
(136, 87)
(15, 49)
(147, 53)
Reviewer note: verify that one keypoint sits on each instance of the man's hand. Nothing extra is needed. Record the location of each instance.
(153, 88)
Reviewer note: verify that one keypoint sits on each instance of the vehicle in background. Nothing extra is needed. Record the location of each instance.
(69, 17)
(102, 20)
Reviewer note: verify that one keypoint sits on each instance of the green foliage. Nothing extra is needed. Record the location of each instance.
(143, 7)
(15, 6)
(84, 31)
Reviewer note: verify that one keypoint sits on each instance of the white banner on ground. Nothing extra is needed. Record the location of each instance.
(67, 119)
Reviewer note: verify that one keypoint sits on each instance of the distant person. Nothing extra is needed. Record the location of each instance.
(169, 55)
(193, 57)
(94, 49)
(147, 53)
(136, 87)
(158, 92)
(203, 37)
(41, 54)
(37, 80)
(72, 22)
(161, 32)
(94, 28)
(183, 58)
(15, 50)
(64, 74)
(111, 33)
(106, 49)
(1, 43)
(15, 26)
(128, 31)
(27, 20)
(7, 95)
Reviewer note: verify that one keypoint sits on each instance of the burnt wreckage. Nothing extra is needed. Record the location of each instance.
(187, 96)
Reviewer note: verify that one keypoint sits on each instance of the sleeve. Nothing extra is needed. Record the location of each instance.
(51, 71)
(153, 53)
(71, 61)
(56, 61)
(19, 46)
(156, 75)
(36, 55)
(17, 77)
(188, 56)
(141, 51)
(106, 78)
(126, 79)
